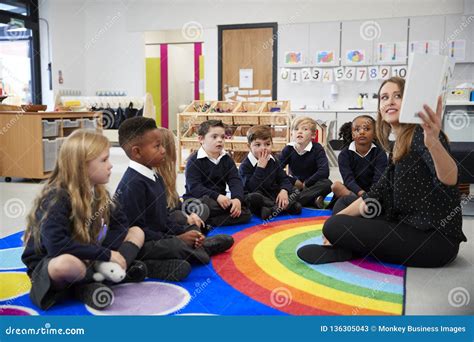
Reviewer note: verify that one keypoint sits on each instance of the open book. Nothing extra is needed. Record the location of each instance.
(427, 78)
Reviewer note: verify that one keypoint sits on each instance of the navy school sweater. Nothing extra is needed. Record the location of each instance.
(269, 180)
(360, 173)
(203, 177)
(56, 233)
(309, 168)
(144, 203)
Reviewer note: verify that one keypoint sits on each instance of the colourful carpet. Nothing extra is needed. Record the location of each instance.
(261, 275)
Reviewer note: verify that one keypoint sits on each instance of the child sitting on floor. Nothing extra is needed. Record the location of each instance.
(308, 163)
(73, 223)
(361, 163)
(268, 188)
(168, 245)
(209, 171)
(167, 170)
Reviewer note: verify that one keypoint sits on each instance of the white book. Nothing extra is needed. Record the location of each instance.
(427, 78)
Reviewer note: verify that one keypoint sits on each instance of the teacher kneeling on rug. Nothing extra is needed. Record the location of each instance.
(412, 216)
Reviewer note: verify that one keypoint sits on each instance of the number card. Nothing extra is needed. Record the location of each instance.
(361, 74)
(306, 75)
(373, 73)
(339, 74)
(400, 71)
(384, 72)
(349, 73)
(295, 76)
(284, 74)
(327, 76)
(317, 74)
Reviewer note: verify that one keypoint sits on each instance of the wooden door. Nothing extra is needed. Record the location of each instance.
(248, 48)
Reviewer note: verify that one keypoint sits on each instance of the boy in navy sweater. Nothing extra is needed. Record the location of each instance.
(142, 194)
(267, 187)
(308, 164)
(209, 171)
(361, 163)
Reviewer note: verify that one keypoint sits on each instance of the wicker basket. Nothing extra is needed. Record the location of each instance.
(246, 107)
(222, 110)
(240, 146)
(197, 111)
(278, 145)
(190, 145)
(273, 113)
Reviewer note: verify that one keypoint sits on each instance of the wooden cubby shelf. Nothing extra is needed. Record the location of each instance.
(238, 117)
(30, 141)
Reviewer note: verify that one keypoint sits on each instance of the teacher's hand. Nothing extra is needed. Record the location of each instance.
(431, 124)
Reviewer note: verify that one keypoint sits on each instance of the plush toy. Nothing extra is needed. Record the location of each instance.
(106, 270)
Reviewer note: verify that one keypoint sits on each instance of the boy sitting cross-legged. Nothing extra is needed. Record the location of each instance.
(209, 171)
(268, 188)
(168, 246)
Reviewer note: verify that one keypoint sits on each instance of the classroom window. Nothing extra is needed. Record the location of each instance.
(20, 76)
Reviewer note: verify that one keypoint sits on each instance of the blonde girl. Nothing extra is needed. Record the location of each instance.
(74, 222)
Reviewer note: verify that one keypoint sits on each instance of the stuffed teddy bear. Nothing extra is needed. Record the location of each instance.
(106, 270)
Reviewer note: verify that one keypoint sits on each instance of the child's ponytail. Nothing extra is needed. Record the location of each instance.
(345, 134)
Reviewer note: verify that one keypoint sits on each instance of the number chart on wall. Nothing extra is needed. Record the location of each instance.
(348, 73)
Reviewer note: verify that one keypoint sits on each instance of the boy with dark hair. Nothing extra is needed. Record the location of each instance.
(209, 171)
(142, 194)
(267, 187)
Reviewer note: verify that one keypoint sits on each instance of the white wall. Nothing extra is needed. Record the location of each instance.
(100, 44)
(66, 29)
(181, 82)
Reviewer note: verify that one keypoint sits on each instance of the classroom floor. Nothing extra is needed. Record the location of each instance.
(441, 291)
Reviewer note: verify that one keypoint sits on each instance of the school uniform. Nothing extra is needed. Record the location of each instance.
(412, 219)
(56, 239)
(266, 182)
(142, 194)
(310, 167)
(207, 178)
(359, 172)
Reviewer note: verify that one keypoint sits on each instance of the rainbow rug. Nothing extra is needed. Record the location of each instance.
(261, 275)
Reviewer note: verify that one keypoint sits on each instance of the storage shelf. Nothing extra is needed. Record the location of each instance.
(237, 122)
(32, 143)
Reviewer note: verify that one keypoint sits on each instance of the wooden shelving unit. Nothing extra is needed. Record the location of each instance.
(243, 116)
(29, 141)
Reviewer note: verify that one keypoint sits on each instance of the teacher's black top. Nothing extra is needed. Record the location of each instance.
(410, 192)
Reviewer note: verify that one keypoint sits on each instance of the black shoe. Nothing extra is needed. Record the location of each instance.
(317, 254)
(206, 229)
(319, 202)
(265, 213)
(136, 273)
(96, 295)
(217, 244)
(172, 269)
(295, 208)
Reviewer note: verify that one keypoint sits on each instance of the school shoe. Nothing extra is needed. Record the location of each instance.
(294, 208)
(206, 229)
(95, 295)
(319, 202)
(136, 273)
(217, 244)
(172, 269)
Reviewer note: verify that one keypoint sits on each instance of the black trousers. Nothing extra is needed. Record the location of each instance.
(321, 188)
(389, 241)
(221, 217)
(173, 248)
(257, 200)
